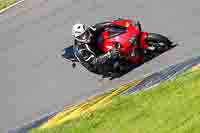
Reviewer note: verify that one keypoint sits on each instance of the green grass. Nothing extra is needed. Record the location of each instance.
(6, 3)
(172, 107)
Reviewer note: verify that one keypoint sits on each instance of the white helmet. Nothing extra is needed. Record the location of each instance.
(78, 30)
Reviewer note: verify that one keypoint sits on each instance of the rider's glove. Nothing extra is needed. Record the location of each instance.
(114, 53)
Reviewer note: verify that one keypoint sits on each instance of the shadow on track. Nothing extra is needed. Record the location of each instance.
(69, 55)
(147, 59)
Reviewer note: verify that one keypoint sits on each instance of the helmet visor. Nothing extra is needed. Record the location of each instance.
(84, 37)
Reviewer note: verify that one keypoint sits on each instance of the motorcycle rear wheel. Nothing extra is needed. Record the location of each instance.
(158, 41)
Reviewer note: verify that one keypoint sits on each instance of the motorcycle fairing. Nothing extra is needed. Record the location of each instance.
(122, 32)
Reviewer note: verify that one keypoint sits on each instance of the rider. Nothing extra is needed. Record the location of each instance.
(84, 37)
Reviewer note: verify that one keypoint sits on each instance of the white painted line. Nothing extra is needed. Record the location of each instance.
(14, 4)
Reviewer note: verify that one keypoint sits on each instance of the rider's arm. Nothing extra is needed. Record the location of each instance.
(84, 54)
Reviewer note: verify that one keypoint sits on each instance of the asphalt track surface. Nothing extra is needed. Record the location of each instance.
(34, 79)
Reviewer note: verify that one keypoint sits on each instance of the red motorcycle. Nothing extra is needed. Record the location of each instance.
(133, 44)
(130, 39)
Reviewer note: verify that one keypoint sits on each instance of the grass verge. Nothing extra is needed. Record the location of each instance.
(6, 3)
(172, 107)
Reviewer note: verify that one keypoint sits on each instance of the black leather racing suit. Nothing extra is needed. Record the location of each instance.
(84, 51)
